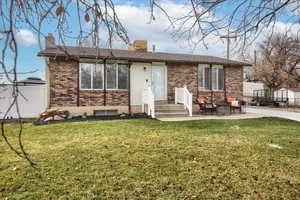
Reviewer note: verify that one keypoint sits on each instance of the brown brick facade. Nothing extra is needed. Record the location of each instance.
(63, 82)
(64, 87)
(96, 98)
(234, 81)
(180, 75)
(183, 74)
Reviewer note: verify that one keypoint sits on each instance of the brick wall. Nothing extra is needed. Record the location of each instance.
(64, 83)
(234, 81)
(186, 74)
(180, 75)
(96, 97)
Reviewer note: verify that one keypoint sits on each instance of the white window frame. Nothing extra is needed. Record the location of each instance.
(217, 78)
(203, 66)
(117, 74)
(92, 73)
(117, 77)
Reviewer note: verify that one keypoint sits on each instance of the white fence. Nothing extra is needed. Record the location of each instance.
(31, 101)
(182, 95)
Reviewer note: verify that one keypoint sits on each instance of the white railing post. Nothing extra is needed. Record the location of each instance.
(182, 95)
(176, 94)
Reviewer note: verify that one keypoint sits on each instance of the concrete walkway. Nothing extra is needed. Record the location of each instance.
(205, 117)
(275, 113)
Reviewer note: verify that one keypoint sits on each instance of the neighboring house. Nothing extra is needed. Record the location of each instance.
(249, 88)
(31, 98)
(83, 79)
(32, 81)
(293, 95)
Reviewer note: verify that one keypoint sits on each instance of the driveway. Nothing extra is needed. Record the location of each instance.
(275, 113)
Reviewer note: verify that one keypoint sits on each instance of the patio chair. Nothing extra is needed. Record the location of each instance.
(205, 107)
(235, 104)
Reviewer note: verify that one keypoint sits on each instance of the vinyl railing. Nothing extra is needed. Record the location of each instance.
(148, 99)
(183, 96)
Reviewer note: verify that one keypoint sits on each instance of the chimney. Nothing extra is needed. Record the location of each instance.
(49, 41)
(153, 48)
(140, 45)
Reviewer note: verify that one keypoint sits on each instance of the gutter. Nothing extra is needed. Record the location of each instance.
(239, 64)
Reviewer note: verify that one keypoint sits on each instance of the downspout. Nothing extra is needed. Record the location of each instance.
(129, 88)
(47, 74)
(211, 90)
(197, 70)
(78, 90)
(225, 90)
(104, 87)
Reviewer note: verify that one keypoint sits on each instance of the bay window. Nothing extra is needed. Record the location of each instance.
(210, 78)
(92, 76)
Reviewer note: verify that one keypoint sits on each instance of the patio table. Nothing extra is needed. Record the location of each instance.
(223, 109)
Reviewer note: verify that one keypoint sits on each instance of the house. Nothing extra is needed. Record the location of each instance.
(31, 98)
(249, 89)
(291, 94)
(32, 81)
(83, 79)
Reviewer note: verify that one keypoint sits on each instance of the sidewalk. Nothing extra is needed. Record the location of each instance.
(275, 113)
(206, 117)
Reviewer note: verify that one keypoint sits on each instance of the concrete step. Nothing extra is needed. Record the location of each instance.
(170, 110)
(169, 106)
(169, 115)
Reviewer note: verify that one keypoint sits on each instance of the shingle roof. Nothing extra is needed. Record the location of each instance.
(137, 56)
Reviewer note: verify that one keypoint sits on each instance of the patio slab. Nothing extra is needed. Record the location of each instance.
(205, 117)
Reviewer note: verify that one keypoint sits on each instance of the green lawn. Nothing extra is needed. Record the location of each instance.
(149, 159)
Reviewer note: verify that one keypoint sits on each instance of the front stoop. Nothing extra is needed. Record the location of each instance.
(170, 110)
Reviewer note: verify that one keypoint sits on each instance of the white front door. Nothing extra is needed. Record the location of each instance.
(140, 78)
(159, 82)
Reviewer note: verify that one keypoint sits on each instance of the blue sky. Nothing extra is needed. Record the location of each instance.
(135, 17)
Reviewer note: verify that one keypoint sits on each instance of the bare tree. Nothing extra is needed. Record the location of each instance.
(247, 19)
(35, 14)
(278, 61)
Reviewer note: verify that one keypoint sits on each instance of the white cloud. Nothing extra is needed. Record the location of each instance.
(136, 21)
(25, 37)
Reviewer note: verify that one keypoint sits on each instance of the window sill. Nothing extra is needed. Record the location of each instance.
(103, 89)
(203, 90)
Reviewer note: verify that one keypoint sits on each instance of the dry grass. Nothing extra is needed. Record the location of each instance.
(148, 159)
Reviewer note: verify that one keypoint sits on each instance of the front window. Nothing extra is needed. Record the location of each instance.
(92, 76)
(86, 76)
(122, 76)
(111, 74)
(210, 78)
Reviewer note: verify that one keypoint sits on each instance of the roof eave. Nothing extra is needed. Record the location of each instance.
(44, 54)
